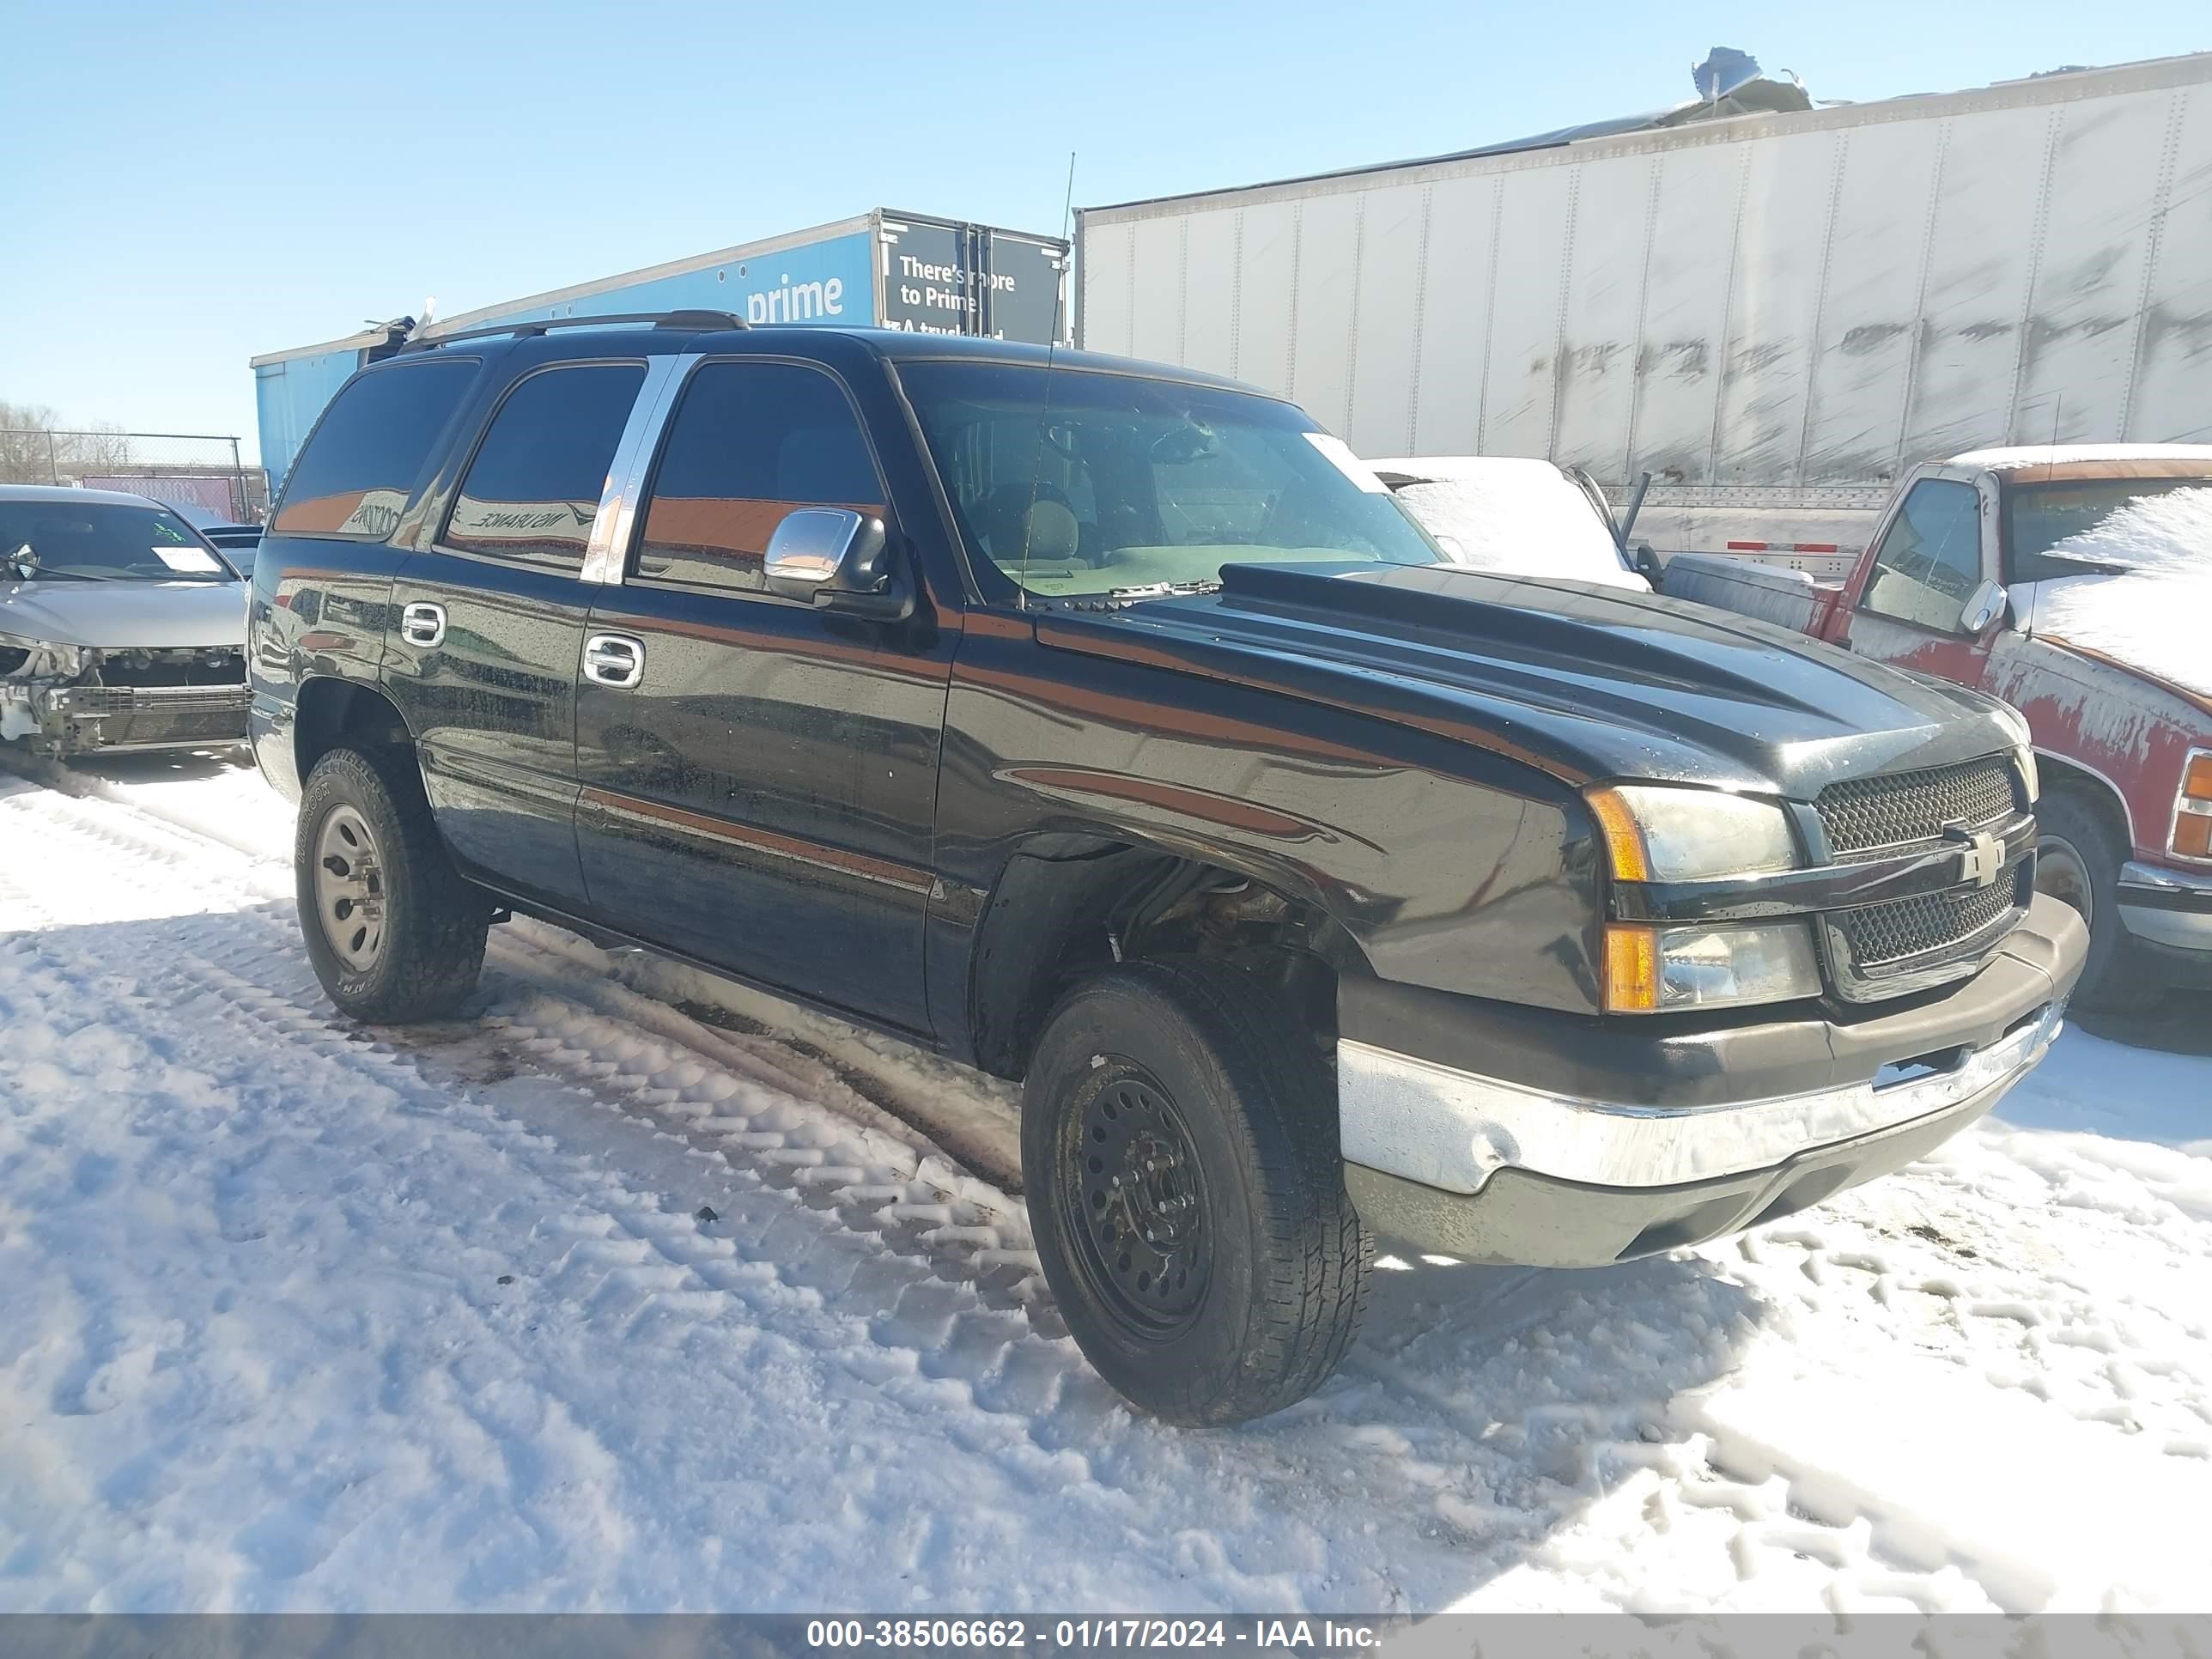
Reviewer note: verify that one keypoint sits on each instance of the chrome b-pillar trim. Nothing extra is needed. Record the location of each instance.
(608, 550)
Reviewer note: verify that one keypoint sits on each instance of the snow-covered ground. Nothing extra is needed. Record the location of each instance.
(632, 1291)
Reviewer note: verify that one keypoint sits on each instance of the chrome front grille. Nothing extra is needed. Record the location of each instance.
(1887, 949)
(1866, 814)
(1896, 934)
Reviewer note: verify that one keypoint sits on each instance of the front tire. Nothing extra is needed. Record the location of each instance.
(1186, 1191)
(394, 932)
(2077, 861)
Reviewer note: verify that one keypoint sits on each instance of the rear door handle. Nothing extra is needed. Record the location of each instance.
(423, 623)
(614, 660)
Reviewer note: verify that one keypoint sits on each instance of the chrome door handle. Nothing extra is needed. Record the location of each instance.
(423, 623)
(614, 660)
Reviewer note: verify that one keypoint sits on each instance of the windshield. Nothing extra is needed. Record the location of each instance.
(102, 541)
(1129, 486)
(2040, 516)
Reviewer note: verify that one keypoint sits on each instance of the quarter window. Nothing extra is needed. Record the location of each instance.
(1930, 559)
(360, 466)
(748, 444)
(533, 489)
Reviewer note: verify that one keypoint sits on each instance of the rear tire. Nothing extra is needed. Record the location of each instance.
(2077, 860)
(1186, 1191)
(394, 932)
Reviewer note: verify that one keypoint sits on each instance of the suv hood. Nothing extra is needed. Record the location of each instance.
(125, 615)
(1586, 684)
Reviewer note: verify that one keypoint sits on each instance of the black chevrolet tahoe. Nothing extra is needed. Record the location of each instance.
(1110, 727)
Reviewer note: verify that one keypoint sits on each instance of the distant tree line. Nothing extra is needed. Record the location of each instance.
(35, 446)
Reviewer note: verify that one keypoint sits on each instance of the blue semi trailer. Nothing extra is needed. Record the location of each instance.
(882, 268)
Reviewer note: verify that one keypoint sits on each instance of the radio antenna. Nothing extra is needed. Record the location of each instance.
(1044, 408)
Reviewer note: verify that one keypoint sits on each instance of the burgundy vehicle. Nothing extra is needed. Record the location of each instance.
(2075, 583)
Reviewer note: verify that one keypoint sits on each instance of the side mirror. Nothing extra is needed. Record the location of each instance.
(1647, 563)
(1984, 606)
(1455, 550)
(23, 564)
(836, 560)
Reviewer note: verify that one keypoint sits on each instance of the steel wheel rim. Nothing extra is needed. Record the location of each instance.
(350, 894)
(2061, 872)
(1134, 1194)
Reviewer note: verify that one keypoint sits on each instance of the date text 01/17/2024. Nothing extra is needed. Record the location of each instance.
(1293, 1635)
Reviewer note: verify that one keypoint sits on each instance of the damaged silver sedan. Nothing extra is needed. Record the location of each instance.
(121, 627)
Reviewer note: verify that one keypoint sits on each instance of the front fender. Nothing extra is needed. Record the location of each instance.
(1450, 866)
(2107, 720)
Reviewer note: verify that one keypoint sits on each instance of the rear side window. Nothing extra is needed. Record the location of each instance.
(748, 444)
(534, 486)
(360, 466)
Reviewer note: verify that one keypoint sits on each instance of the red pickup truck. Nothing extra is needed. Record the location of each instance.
(2075, 583)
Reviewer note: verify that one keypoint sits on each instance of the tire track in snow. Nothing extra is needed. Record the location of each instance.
(613, 1013)
(548, 954)
(956, 1321)
(654, 1057)
(1427, 1443)
(637, 1274)
(625, 1259)
(845, 1064)
(945, 1298)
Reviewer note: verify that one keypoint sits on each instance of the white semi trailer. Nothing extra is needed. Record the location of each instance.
(1776, 315)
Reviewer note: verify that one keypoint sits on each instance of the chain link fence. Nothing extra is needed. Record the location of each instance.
(196, 472)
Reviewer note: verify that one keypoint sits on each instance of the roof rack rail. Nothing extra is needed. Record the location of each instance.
(696, 321)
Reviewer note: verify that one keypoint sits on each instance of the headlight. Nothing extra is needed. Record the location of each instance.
(1659, 833)
(29, 659)
(2192, 810)
(1654, 832)
(1656, 971)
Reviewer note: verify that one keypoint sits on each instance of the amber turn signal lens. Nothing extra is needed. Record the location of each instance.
(1631, 969)
(2192, 834)
(2197, 778)
(1623, 839)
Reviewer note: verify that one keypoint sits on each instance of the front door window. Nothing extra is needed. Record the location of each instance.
(1930, 559)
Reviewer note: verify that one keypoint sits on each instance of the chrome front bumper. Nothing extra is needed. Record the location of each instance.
(1579, 1183)
(1454, 1131)
(2169, 908)
(1510, 1135)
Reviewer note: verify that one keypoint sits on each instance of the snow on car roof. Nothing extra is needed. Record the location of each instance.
(2019, 455)
(1511, 514)
(1439, 469)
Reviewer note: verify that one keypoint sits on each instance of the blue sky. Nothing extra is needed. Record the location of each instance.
(187, 186)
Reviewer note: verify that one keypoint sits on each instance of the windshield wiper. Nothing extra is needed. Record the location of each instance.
(2088, 564)
(1164, 590)
(41, 574)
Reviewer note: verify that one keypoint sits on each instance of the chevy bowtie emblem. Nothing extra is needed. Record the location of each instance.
(1981, 855)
